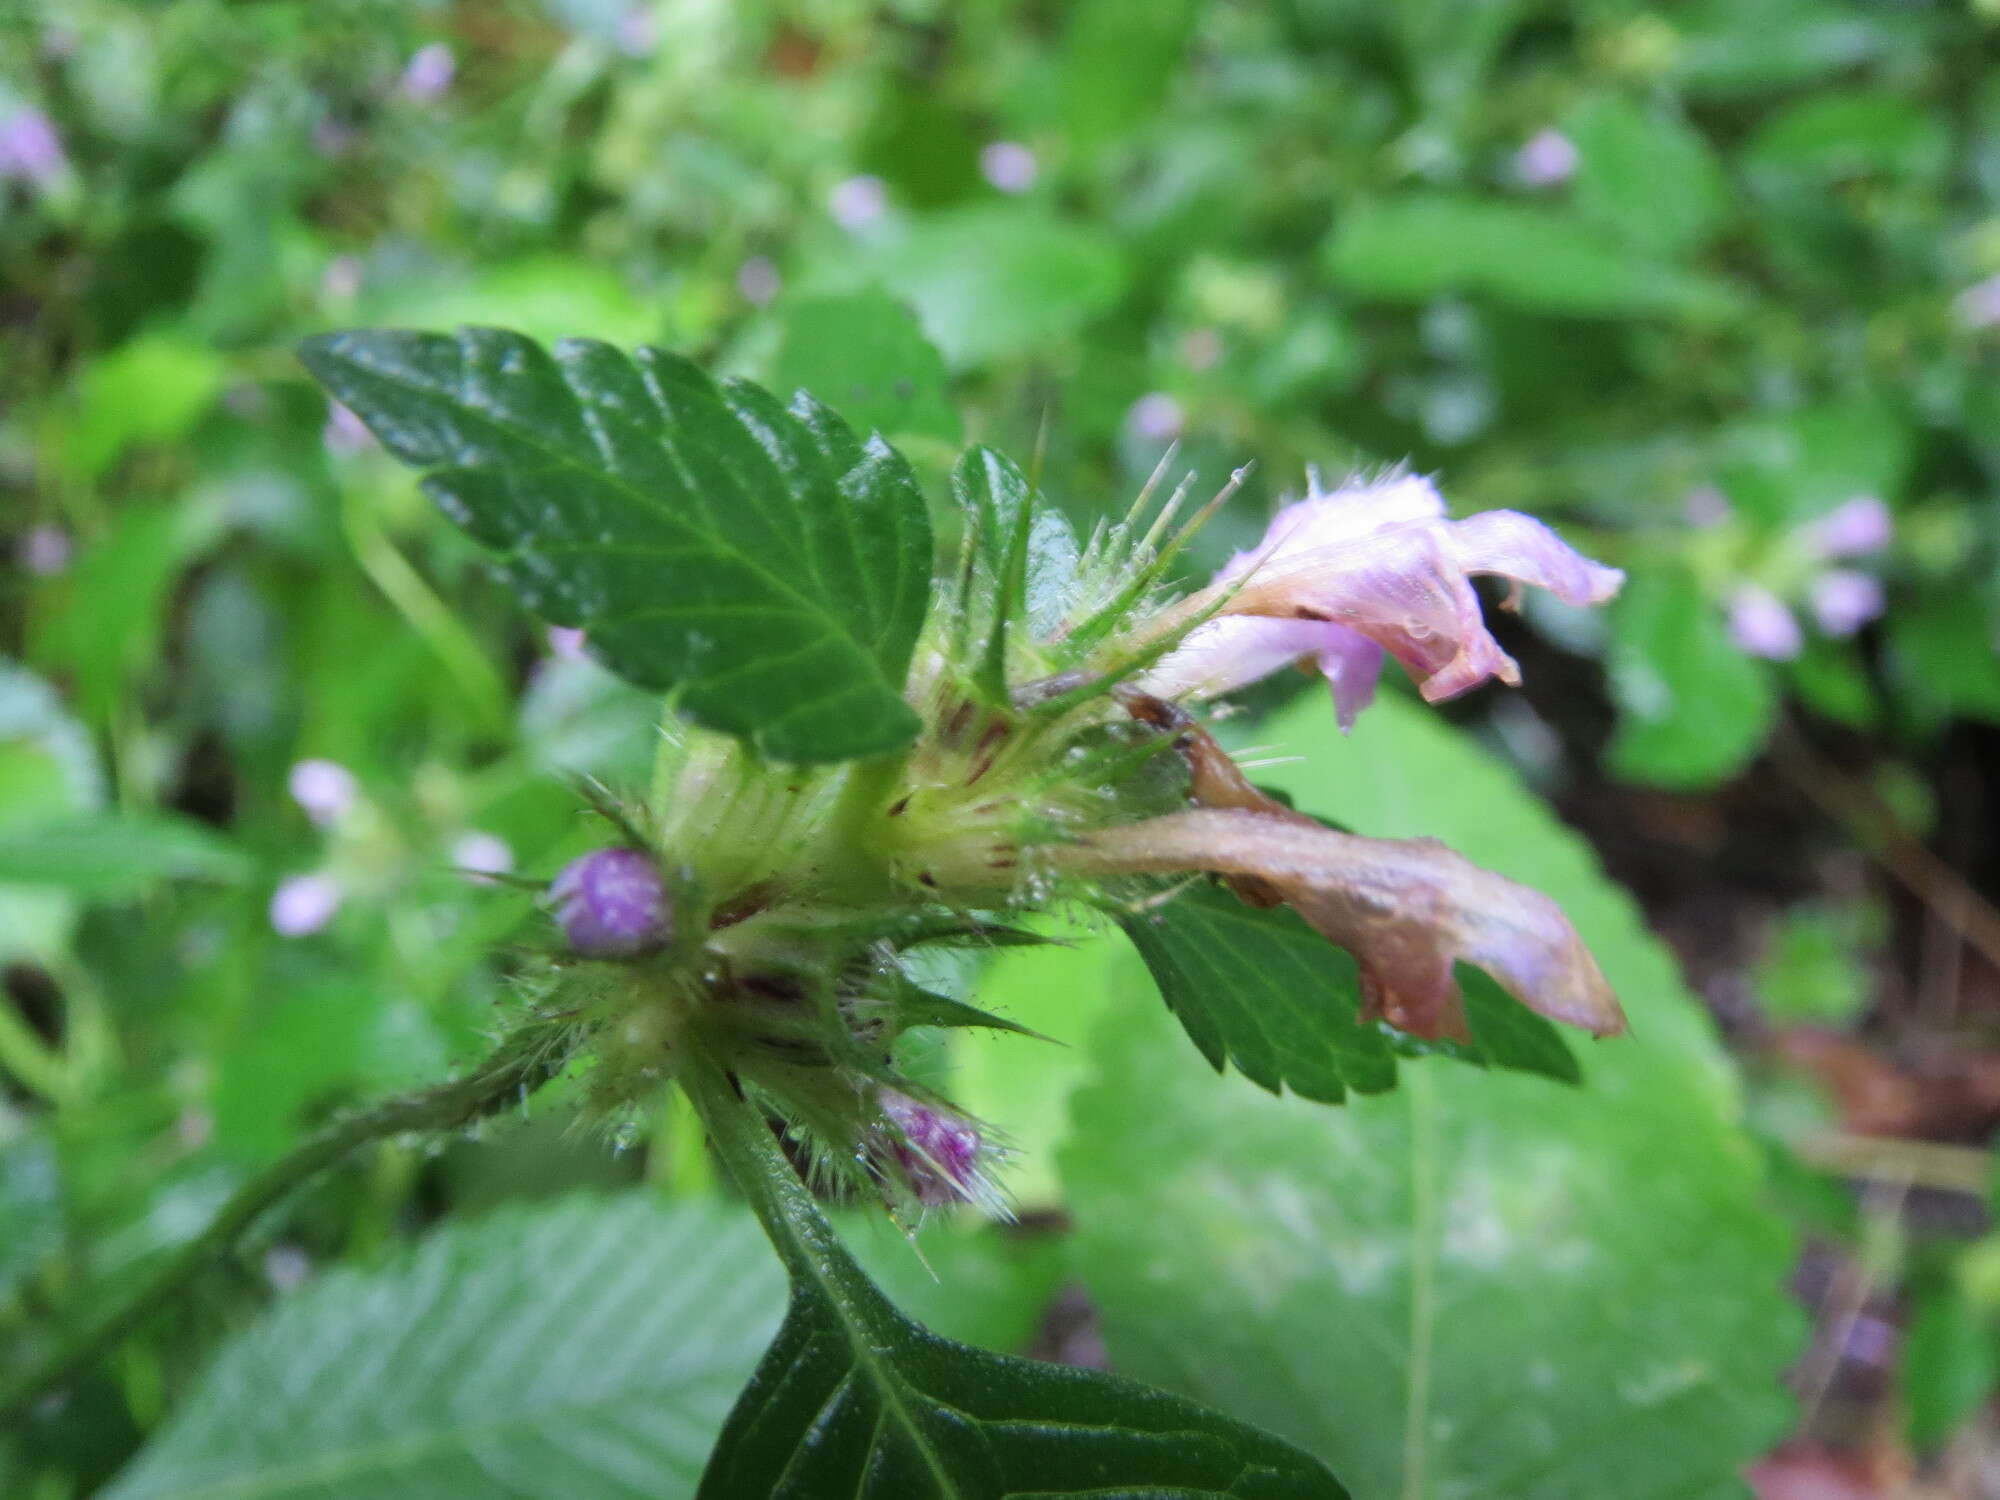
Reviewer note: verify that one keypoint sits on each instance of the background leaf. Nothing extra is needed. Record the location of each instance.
(111, 855)
(1696, 709)
(865, 355)
(1472, 1285)
(764, 566)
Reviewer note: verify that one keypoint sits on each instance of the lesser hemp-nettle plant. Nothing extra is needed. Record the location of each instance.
(879, 738)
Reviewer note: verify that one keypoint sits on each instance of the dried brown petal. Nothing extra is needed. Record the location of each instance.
(1407, 909)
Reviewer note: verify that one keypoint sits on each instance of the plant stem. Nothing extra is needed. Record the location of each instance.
(524, 1060)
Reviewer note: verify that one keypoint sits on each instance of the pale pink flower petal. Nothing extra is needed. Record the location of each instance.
(1227, 653)
(482, 854)
(1760, 625)
(303, 904)
(1860, 525)
(323, 789)
(1844, 599)
(1009, 166)
(1549, 159)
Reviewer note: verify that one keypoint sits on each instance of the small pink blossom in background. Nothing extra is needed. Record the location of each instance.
(1549, 159)
(30, 149)
(1009, 166)
(858, 202)
(345, 434)
(45, 550)
(1978, 306)
(757, 279)
(638, 32)
(341, 281)
(1760, 625)
(303, 904)
(1201, 349)
(324, 790)
(429, 73)
(1851, 528)
(1156, 418)
(478, 854)
(566, 642)
(286, 1267)
(1845, 599)
(1706, 507)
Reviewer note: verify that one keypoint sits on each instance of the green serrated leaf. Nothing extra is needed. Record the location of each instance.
(865, 355)
(1477, 1285)
(760, 563)
(1259, 988)
(853, 1398)
(116, 855)
(585, 1350)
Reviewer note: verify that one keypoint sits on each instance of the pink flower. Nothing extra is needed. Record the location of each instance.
(1844, 599)
(1760, 624)
(1343, 578)
(30, 149)
(429, 73)
(1009, 166)
(1860, 525)
(303, 904)
(323, 789)
(1549, 159)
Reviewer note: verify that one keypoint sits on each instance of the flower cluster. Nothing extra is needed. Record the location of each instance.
(763, 913)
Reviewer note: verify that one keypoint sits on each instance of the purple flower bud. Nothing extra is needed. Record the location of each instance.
(613, 904)
(1843, 600)
(1978, 306)
(1862, 524)
(45, 550)
(1760, 624)
(938, 1152)
(858, 202)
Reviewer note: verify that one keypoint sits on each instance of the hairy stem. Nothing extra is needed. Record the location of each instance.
(524, 1060)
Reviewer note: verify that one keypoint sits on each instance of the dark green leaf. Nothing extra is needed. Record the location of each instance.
(1696, 709)
(760, 563)
(1259, 988)
(866, 356)
(115, 855)
(853, 1398)
(1645, 178)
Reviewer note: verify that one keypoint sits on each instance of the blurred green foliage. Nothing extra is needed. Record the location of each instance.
(1684, 280)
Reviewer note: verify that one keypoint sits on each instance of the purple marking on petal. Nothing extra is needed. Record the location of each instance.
(612, 903)
(1760, 625)
(1860, 525)
(1352, 665)
(1844, 599)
